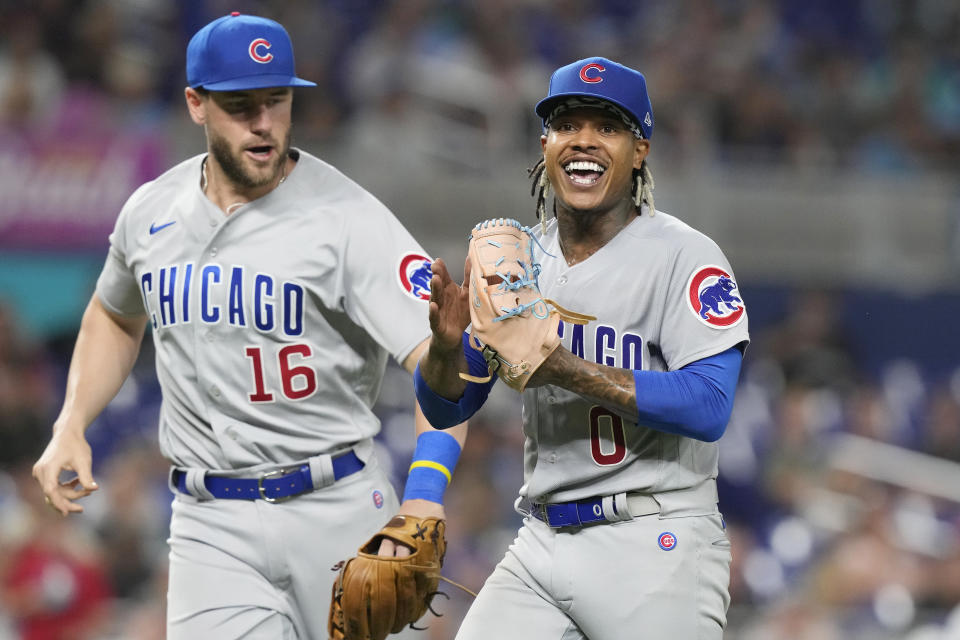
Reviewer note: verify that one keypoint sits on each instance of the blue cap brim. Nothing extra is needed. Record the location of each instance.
(545, 107)
(265, 81)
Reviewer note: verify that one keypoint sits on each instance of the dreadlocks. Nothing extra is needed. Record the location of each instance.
(643, 187)
(539, 189)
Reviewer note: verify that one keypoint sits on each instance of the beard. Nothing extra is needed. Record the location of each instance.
(232, 163)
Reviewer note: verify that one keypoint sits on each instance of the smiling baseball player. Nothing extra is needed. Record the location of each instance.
(275, 288)
(622, 537)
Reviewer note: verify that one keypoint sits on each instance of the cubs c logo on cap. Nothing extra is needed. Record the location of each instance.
(254, 51)
(587, 68)
(415, 274)
(712, 296)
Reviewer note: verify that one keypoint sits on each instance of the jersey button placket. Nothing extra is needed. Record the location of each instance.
(562, 280)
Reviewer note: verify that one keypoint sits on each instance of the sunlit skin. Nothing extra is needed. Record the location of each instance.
(248, 139)
(590, 215)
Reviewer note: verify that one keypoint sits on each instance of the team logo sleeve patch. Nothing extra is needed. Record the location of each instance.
(712, 296)
(414, 273)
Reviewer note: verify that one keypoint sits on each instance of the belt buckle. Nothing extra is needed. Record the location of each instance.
(545, 514)
(262, 491)
(541, 512)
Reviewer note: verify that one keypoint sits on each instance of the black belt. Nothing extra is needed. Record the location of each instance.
(273, 486)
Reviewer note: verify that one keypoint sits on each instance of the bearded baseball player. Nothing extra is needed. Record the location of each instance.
(275, 288)
(622, 536)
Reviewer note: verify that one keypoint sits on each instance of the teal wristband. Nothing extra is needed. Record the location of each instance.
(432, 467)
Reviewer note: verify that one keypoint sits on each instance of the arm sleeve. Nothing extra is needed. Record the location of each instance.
(694, 401)
(442, 413)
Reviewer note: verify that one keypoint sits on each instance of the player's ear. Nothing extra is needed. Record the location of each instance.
(195, 105)
(640, 150)
(543, 141)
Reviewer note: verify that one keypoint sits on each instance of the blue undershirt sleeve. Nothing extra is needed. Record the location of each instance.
(694, 401)
(442, 413)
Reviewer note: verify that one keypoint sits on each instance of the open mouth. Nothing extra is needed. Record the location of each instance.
(262, 152)
(584, 172)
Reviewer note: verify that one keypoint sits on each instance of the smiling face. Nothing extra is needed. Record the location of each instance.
(248, 132)
(590, 155)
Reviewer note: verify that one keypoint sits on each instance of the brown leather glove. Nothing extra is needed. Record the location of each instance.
(377, 595)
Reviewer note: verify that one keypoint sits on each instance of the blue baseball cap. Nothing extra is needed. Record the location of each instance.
(238, 52)
(603, 79)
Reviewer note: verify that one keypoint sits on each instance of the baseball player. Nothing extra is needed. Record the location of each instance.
(275, 288)
(622, 537)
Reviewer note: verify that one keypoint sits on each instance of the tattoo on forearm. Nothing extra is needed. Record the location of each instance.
(607, 386)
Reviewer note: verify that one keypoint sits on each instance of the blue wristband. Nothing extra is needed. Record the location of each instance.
(476, 365)
(442, 413)
(434, 459)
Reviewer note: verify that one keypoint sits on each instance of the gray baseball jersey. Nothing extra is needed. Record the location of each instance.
(664, 296)
(272, 325)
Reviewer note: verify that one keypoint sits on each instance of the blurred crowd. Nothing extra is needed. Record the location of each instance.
(840, 483)
(839, 478)
(870, 84)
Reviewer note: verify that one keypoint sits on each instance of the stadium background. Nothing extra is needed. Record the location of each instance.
(816, 141)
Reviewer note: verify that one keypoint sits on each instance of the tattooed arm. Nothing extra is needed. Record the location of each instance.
(607, 386)
(694, 401)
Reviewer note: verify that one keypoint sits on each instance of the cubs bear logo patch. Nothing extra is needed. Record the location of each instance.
(712, 296)
(377, 499)
(667, 541)
(414, 273)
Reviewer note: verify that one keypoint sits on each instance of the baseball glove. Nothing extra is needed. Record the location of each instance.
(377, 595)
(514, 327)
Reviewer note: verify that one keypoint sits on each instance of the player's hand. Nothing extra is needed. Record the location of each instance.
(449, 310)
(418, 508)
(68, 450)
